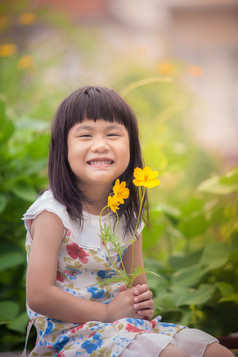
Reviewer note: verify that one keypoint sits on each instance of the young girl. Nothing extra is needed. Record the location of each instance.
(94, 141)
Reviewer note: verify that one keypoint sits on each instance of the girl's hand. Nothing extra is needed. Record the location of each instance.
(122, 305)
(143, 303)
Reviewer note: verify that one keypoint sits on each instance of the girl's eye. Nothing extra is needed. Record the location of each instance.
(85, 136)
(113, 134)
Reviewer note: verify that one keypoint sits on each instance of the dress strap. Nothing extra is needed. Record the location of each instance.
(29, 326)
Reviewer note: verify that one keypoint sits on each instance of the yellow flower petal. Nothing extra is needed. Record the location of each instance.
(137, 182)
(152, 183)
(138, 173)
(113, 203)
(121, 191)
(120, 200)
(153, 175)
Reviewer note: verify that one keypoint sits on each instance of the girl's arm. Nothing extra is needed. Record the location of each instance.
(45, 297)
(143, 302)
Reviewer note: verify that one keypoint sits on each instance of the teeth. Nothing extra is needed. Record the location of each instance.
(100, 162)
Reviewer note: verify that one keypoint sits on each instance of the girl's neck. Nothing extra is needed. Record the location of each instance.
(94, 208)
(96, 201)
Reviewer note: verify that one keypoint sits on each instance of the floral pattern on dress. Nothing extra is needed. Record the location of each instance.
(75, 252)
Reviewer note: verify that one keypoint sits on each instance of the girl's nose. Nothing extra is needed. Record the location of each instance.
(100, 146)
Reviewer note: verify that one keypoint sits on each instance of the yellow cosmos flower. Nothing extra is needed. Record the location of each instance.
(196, 71)
(146, 177)
(113, 203)
(166, 68)
(27, 19)
(8, 49)
(120, 191)
(25, 62)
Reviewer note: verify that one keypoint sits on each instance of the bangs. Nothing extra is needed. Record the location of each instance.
(96, 103)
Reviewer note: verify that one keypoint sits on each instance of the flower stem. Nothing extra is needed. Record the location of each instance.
(100, 219)
(123, 267)
(117, 270)
(102, 234)
(134, 237)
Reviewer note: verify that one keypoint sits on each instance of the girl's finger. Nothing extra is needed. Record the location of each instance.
(147, 314)
(143, 296)
(148, 304)
(122, 288)
(139, 289)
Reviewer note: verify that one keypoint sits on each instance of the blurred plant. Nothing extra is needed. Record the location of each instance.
(199, 281)
(23, 150)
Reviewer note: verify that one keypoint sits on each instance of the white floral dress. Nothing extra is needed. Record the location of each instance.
(82, 264)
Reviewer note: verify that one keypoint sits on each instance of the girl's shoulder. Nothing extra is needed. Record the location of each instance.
(47, 202)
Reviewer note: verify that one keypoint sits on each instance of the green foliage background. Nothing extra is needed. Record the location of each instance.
(193, 242)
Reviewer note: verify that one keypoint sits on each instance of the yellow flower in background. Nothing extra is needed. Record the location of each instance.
(113, 203)
(27, 19)
(146, 177)
(8, 49)
(166, 68)
(121, 191)
(196, 71)
(25, 62)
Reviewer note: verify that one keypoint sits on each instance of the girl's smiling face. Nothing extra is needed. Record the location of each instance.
(98, 152)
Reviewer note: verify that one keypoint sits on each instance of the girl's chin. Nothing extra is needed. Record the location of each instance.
(97, 182)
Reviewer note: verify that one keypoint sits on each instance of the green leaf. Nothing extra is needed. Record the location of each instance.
(221, 185)
(186, 318)
(157, 284)
(8, 310)
(195, 204)
(231, 298)
(230, 178)
(193, 225)
(19, 324)
(170, 211)
(39, 148)
(215, 255)
(2, 110)
(177, 262)
(11, 259)
(164, 302)
(225, 288)
(189, 276)
(186, 296)
(3, 202)
(7, 126)
(24, 192)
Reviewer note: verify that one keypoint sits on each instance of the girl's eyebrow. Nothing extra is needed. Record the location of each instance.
(114, 126)
(90, 127)
(83, 127)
